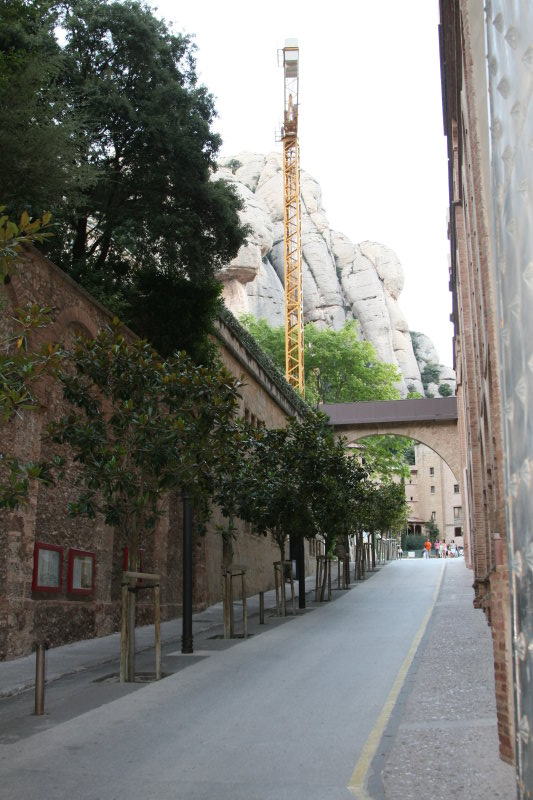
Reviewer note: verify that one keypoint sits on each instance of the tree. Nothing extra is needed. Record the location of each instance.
(338, 484)
(412, 394)
(154, 209)
(383, 509)
(386, 455)
(430, 374)
(445, 390)
(432, 529)
(141, 218)
(140, 428)
(39, 166)
(299, 482)
(270, 484)
(339, 368)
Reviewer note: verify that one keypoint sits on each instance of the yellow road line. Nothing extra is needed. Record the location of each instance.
(357, 785)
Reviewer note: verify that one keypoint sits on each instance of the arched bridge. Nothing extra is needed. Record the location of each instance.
(432, 421)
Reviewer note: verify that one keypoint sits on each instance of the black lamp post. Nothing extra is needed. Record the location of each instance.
(186, 636)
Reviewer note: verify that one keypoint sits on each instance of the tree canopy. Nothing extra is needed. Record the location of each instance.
(140, 427)
(121, 150)
(339, 367)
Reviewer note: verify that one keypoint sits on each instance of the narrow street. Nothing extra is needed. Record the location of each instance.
(289, 714)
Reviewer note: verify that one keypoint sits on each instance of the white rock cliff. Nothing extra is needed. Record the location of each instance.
(341, 280)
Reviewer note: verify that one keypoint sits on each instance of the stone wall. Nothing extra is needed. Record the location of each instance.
(62, 616)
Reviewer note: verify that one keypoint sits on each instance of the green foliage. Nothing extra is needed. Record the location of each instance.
(15, 478)
(432, 529)
(141, 427)
(13, 237)
(445, 390)
(39, 165)
(133, 194)
(298, 481)
(339, 368)
(266, 362)
(386, 455)
(271, 340)
(415, 341)
(412, 394)
(382, 508)
(413, 542)
(410, 455)
(21, 368)
(158, 305)
(430, 374)
(234, 164)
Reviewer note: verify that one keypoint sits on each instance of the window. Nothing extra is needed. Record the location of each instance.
(457, 512)
(457, 531)
(414, 473)
(80, 572)
(411, 499)
(47, 567)
(432, 489)
(456, 488)
(433, 516)
(432, 470)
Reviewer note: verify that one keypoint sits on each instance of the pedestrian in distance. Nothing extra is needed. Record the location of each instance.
(453, 549)
(437, 546)
(427, 548)
(443, 549)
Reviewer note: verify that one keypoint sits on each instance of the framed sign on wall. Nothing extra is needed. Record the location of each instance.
(80, 578)
(47, 567)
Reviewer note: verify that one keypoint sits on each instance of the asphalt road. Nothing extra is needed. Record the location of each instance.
(284, 715)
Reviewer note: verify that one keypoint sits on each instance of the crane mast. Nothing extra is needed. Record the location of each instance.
(294, 337)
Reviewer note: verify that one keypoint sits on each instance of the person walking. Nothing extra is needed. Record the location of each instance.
(427, 548)
(437, 546)
(443, 549)
(453, 549)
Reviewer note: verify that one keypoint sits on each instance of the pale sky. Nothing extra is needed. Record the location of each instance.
(370, 119)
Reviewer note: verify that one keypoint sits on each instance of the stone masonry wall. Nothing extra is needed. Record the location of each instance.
(60, 617)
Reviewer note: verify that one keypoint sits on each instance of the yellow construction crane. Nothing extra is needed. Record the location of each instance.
(294, 332)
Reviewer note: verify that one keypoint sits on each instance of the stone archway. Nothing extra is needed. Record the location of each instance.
(430, 421)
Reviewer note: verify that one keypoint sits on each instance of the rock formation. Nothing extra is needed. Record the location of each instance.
(341, 280)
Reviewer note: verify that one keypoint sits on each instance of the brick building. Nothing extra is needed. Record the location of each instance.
(60, 577)
(486, 63)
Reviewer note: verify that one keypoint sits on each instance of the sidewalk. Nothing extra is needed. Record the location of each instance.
(18, 675)
(441, 741)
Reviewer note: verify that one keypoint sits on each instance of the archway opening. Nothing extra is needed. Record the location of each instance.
(432, 490)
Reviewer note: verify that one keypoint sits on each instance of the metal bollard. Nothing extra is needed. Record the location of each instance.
(40, 650)
(261, 608)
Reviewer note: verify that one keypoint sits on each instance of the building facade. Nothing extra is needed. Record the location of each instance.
(487, 71)
(60, 577)
(433, 493)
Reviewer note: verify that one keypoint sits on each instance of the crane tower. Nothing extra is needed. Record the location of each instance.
(294, 344)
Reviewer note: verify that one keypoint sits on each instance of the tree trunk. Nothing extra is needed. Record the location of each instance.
(373, 551)
(324, 579)
(361, 557)
(79, 246)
